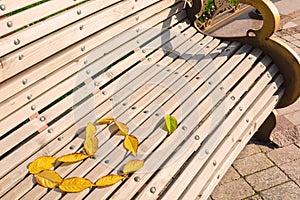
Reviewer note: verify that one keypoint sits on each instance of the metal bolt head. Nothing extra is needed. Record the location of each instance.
(197, 137)
(232, 98)
(2, 7)
(16, 41)
(152, 189)
(21, 57)
(42, 118)
(214, 163)
(50, 130)
(33, 107)
(9, 24)
(24, 81)
(144, 51)
(207, 151)
(137, 179)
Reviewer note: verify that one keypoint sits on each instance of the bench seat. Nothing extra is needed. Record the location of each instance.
(144, 63)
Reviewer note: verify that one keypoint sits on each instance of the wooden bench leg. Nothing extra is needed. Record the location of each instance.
(264, 132)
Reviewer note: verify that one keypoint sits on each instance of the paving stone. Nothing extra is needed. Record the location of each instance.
(238, 189)
(292, 169)
(283, 111)
(266, 178)
(251, 164)
(295, 106)
(298, 182)
(297, 35)
(249, 150)
(289, 38)
(284, 155)
(231, 175)
(286, 191)
(294, 117)
(285, 132)
(256, 197)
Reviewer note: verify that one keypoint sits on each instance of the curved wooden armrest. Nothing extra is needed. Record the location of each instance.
(282, 55)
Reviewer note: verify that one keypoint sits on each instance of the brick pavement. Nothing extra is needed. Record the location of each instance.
(264, 171)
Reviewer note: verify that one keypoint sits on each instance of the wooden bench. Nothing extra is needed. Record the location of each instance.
(67, 63)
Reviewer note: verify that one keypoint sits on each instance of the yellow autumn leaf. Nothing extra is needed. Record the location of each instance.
(48, 179)
(75, 184)
(91, 145)
(131, 143)
(133, 166)
(74, 157)
(90, 130)
(41, 163)
(105, 120)
(109, 180)
(170, 123)
(123, 129)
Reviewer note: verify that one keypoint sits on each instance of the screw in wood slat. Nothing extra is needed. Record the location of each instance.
(9, 24)
(16, 41)
(60, 138)
(21, 57)
(2, 7)
(250, 58)
(247, 120)
(180, 27)
(29, 97)
(81, 27)
(241, 108)
(152, 189)
(50, 130)
(157, 114)
(85, 62)
(33, 107)
(72, 147)
(78, 12)
(197, 137)
(232, 98)
(137, 179)
(214, 162)
(184, 128)
(137, 41)
(137, 18)
(88, 71)
(42, 118)
(83, 48)
(103, 92)
(24, 81)
(207, 151)
(149, 59)
(221, 88)
(144, 51)
(96, 83)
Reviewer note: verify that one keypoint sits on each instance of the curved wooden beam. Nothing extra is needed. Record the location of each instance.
(286, 59)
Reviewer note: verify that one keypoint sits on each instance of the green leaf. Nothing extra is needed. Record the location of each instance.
(171, 124)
